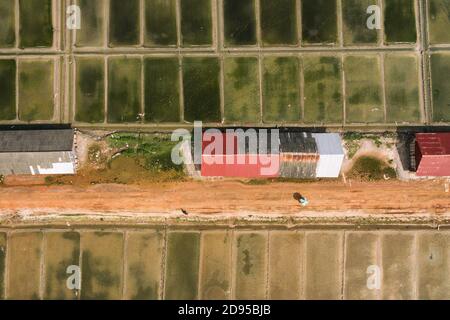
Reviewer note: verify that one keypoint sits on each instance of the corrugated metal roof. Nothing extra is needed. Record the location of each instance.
(297, 142)
(252, 166)
(434, 166)
(298, 170)
(433, 154)
(328, 143)
(433, 143)
(36, 140)
(299, 157)
(35, 162)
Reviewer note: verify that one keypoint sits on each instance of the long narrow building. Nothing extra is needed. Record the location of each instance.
(299, 155)
(37, 152)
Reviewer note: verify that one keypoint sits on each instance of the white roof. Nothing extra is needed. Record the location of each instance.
(328, 143)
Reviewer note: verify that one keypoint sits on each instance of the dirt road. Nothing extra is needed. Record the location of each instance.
(233, 197)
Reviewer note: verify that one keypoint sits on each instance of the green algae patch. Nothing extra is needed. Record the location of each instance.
(124, 89)
(36, 91)
(90, 90)
(162, 101)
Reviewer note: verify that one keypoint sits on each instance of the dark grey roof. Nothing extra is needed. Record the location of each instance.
(263, 137)
(297, 142)
(262, 145)
(36, 140)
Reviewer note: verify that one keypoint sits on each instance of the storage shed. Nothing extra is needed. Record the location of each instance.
(432, 153)
(36, 152)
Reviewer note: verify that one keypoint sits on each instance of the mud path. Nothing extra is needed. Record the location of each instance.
(233, 197)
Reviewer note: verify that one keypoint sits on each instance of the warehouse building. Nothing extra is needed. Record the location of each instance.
(37, 152)
(297, 155)
(432, 154)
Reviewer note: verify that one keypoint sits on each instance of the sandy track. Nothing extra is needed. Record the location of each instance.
(232, 197)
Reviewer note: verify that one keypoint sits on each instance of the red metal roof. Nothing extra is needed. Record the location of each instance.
(433, 154)
(218, 161)
(241, 166)
(227, 139)
(433, 143)
(434, 166)
(229, 143)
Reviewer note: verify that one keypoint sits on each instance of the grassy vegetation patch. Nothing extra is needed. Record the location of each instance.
(154, 150)
(36, 28)
(201, 89)
(354, 14)
(239, 22)
(90, 90)
(92, 31)
(400, 21)
(323, 89)
(439, 21)
(352, 141)
(440, 69)
(7, 89)
(242, 90)
(182, 271)
(160, 23)
(196, 22)
(371, 169)
(281, 89)
(7, 31)
(319, 21)
(402, 88)
(279, 22)
(363, 89)
(124, 22)
(124, 89)
(162, 102)
(127, 158)
(36, 101)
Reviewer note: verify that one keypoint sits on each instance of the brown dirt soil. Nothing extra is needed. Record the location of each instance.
(234, 197)
(122, 170)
